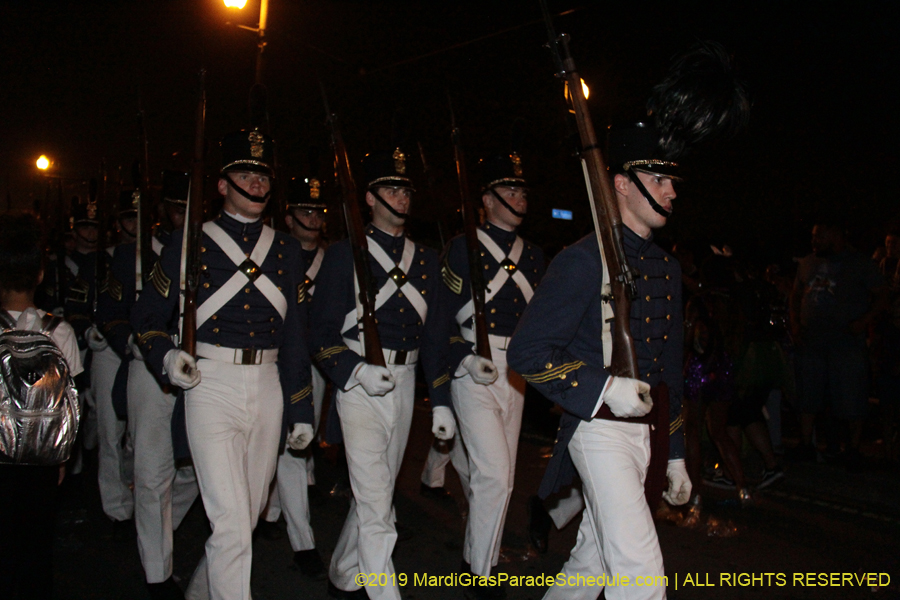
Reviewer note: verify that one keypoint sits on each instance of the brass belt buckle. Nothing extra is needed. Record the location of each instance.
(248, 356)
(400, 357)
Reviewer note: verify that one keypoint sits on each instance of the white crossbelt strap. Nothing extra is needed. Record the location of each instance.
(156, 245)
(502, 275)
(313, 270)
(72, 265)
(390, 287)
(233, 286)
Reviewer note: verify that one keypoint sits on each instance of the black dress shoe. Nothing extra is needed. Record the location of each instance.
(310, 564)
(539, 523)
(336, 592)
(268, 530)
(167, 590)
(435, 493)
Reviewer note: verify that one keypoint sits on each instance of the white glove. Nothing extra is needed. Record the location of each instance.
(95, 339)
(300, 436)
(59, 311)
(377, 381)
(627, 397)
(483, 371)
(443, 424)
(181, 368)
(134, 348)
(679, 490)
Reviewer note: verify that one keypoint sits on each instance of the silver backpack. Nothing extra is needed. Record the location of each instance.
(39, 408)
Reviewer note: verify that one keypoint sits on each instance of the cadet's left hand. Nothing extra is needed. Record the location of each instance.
(443, 423)
(95, 339)
(300, 436)
(679, 490)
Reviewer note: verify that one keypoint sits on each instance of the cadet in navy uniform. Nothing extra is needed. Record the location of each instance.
(558, 349)
(305, 217)
(113, 469)
(488, 397)
(252, 356)
(375, 403)
(162, 493)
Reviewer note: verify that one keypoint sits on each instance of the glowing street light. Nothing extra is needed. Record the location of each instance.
(584, 89)
(236, 3)
(260, 31)
(43, 163)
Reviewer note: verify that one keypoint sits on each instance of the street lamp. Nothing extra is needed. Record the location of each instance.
(260, 31)
(43, 163)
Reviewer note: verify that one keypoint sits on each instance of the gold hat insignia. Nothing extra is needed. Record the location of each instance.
(314, 187)
(256, 140)
(516, 164)
(399, 161)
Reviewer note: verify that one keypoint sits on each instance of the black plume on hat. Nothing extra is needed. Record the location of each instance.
(700, 97)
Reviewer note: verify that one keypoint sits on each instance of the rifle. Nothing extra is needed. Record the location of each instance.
(141, 178)
(604, 208)
(99, 263)
(357, 234)
(473, 247)
(193, 231)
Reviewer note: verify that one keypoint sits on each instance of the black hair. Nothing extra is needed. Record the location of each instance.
(21, 252)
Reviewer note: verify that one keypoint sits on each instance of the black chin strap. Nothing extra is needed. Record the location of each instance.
(640, 186)
(504, 203)
(245, 193)
(302, 226)
(390, 208)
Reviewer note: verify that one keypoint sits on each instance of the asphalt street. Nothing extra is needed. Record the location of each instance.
(817, 534)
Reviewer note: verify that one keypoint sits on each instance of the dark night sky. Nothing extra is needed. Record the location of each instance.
(822, 133)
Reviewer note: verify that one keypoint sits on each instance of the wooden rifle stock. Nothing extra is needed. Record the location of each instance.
(357, 235)
(193, 231)
(604, 207)
(473, 248)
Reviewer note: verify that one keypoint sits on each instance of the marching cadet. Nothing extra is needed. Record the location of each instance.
(162, 493)
(558, 348)
(375, 404)
(488, 397)
(305, 217)
(113, 470)
(252, 365)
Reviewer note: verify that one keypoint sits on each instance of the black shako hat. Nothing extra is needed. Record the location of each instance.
(126, 207)
(84, 214)
(501, 169)
(175, 186)
(248, 150)
(636, 146)
(305, 192)
(387, 169)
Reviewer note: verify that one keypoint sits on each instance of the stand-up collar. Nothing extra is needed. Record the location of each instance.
(235, 228)
(635, 243)
(386, 240)
(501, 236)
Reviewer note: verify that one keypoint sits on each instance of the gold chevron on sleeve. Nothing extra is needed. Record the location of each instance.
(451, 279)
(554, 373)
(160, 281)
(674, 425)
(113, 287)
(301, 394)
(456, 339)
(441, 380)
(149, 335)
(329, 352)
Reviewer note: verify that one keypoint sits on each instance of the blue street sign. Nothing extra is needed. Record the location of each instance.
(565, 215)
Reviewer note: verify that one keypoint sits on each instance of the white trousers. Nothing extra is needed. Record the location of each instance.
(376, 430)
(113, 468)
(490, 418)
(233, 427)
(294, 475)
(439, 456)
(162, 493)
(617, 535)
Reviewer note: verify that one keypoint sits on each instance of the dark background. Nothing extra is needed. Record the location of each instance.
(821, 136)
